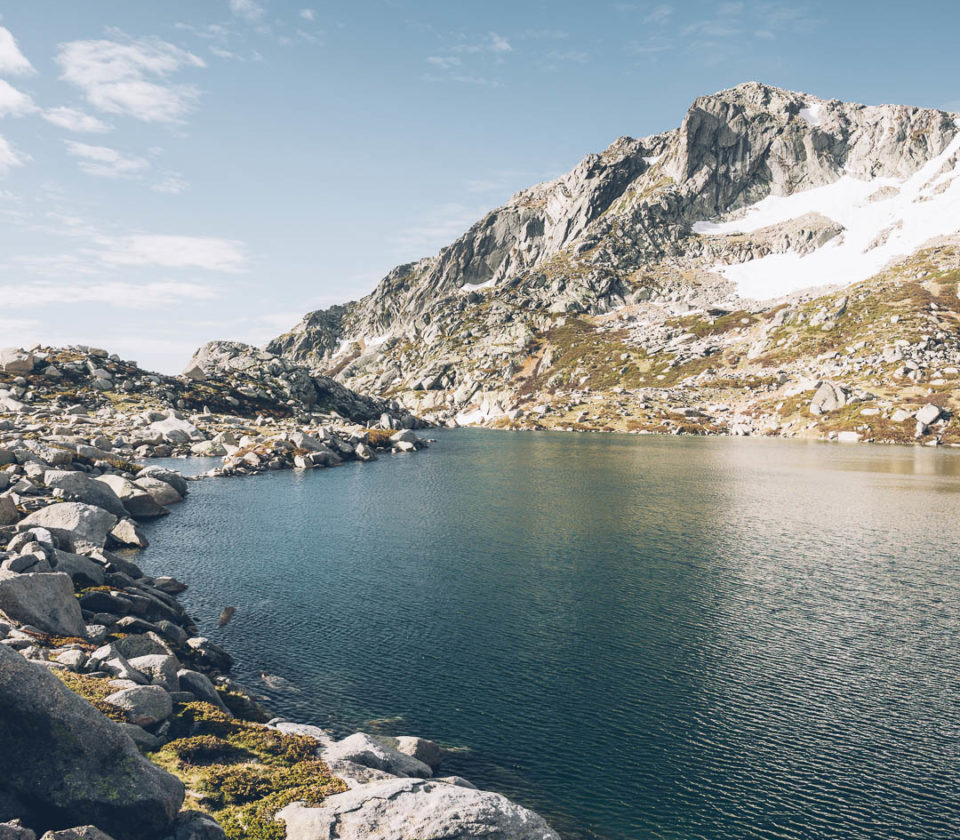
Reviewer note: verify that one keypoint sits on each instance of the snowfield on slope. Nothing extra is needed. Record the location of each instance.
(883, 219)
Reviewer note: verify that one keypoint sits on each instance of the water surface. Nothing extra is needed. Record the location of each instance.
(639, 637)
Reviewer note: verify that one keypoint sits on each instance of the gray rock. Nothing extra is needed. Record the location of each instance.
(929, 414)
(828, 397)
(14, 830)
(9, 515)
(82, 570)
(414, 809)
(14, 360)
(174, 479)
(66, 764)
(160, 668)
(83, 832)
(194, 825)
(127, 533)
(161, 492)
(420, 748)
(81, 488)
(137, 501)
(366, 750)
(77, 524)
(143, 739)
(144, 705)
(200, 686)
(45, 601)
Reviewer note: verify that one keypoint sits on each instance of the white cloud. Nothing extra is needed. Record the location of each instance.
(204, 252)
(106, 162)
(13, 102)
(119, 77)
(73, 119)
(437, 230)
(659, 15)
(12, 61)
(9, 157)
(173, 184)
(247, 9)
(308, 14)
(113, 293)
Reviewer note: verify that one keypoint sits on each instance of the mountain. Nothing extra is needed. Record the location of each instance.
(716, 277)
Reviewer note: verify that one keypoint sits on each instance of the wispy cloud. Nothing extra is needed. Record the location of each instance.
(173, 183)
(130, 77)
(719, 36)
(9, 157)
(13, 102)
(308, 14)
(120, 294)
(469, 60)
(434, 231)
(247, 9)
(209, 253)
(106, 162)
(12, 61)
(73, 119)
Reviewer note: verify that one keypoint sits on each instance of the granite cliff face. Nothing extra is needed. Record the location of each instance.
(611, 276)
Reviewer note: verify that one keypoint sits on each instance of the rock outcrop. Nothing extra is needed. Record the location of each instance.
(649, 280)
(414, 809)
(63, 764)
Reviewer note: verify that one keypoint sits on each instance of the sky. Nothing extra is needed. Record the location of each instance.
(182, 171)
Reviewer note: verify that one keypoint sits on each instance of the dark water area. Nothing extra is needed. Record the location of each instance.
(638, 637)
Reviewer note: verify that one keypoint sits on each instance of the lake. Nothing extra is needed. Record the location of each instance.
(639, 637)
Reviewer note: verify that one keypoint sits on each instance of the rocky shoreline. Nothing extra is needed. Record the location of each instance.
(117, 718)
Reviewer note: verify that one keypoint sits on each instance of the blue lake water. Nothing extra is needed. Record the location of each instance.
(639, 637)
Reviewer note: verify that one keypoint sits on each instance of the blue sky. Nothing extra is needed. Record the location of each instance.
(179, 171)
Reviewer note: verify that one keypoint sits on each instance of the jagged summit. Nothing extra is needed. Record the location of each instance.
(760, 192)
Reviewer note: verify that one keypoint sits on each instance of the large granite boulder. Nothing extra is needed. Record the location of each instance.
(78, 524)
(63, 764)
(137, 501)
(414, 809)
(368, 751)
(44, 600)
(79, 487)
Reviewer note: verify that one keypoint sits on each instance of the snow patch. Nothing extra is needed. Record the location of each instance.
(650, 161)
(376, 342)
(475, 287)
(910, 216)
(471, 418)
(812, 113)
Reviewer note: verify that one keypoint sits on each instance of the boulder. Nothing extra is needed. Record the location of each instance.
(161, 492)
(199, 686)
(9, 515)
(194, 825)
(78, 524)
(43, 600)
(79, 487)
(144, 705)
(82, 570)
(174, 479)
(414, 809)
(364, 749)
(63, 764)
(420, 748)
(15, 830)
(828, 397)
(126, 533)
(175, 430)
(83, 832)
(14, 360)
(137, 501)
(929, 414)
(160, 668)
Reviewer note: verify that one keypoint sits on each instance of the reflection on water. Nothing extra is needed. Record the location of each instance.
(640, 637)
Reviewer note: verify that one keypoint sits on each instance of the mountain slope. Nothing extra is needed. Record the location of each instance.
(581, 285)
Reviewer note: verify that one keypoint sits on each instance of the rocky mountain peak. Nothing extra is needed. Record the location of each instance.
(759, 192)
